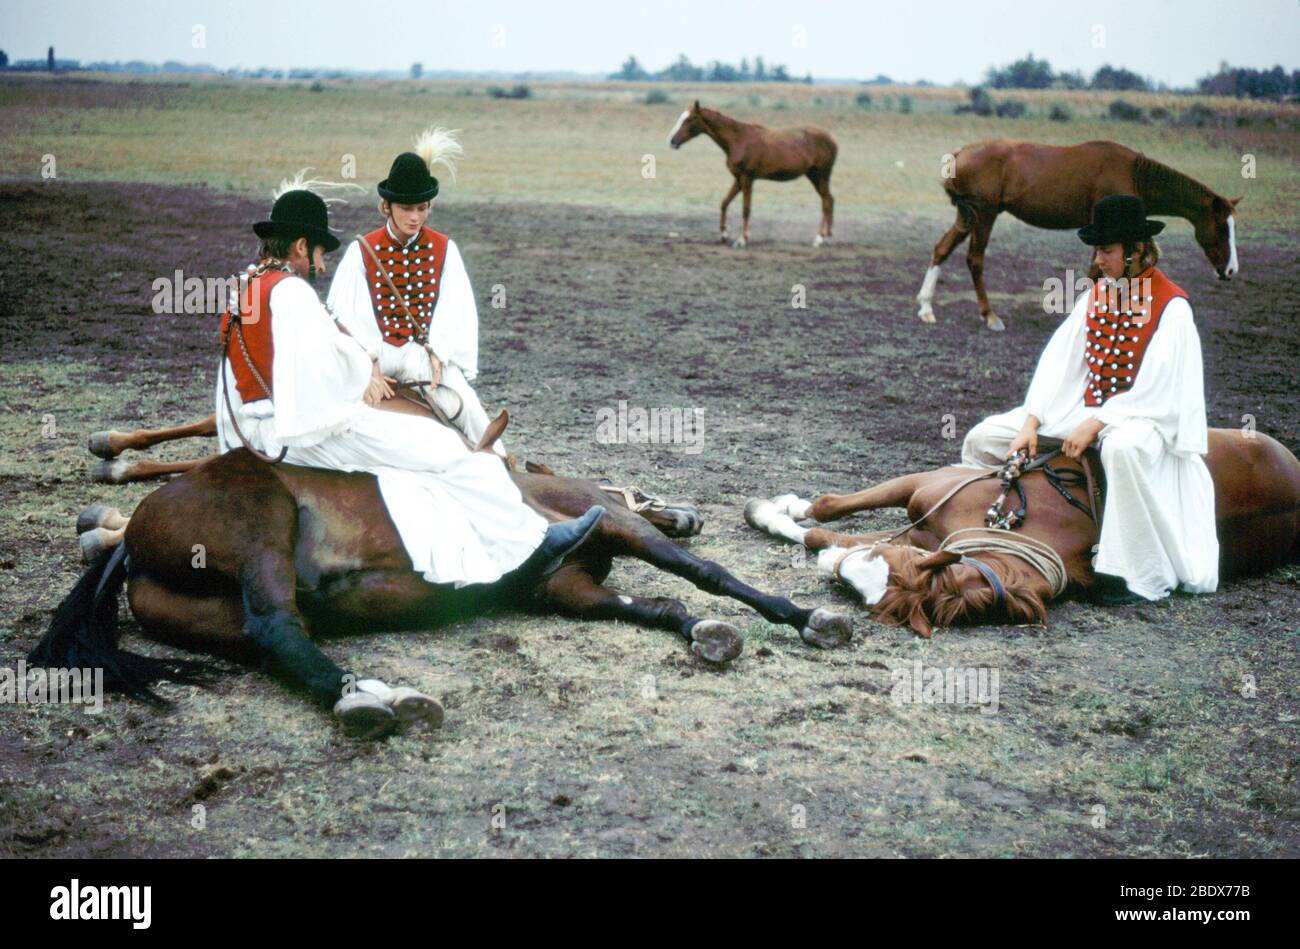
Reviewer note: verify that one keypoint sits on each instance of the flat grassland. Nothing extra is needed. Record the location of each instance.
(1168, 729)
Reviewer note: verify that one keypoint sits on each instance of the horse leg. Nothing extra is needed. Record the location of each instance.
(747, 190)
(722, 222)
(110, 444)
(573, 591)
(896, 492)
(633, 537)
(119, 471)
(821, 180)
(975, 261)
(942, 251)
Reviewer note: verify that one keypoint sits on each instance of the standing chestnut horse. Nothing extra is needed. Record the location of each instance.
(930, 578)
(755, 151)
(1055, 187)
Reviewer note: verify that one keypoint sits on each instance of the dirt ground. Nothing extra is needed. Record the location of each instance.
(1168, 729)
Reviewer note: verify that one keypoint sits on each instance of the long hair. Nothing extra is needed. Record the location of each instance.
(925, 597)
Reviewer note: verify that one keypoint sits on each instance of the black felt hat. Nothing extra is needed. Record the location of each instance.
(1119, 219)
(408, 181)
(299, 214)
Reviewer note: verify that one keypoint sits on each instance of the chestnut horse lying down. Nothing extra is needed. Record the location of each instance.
(930, 576)
(287, 549)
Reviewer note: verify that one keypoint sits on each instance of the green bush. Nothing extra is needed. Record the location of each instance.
(1122, 111)
(905, 105)
(1060, 113)
(1010, 109)
(863, 100)
(656, 97)
(521, 91)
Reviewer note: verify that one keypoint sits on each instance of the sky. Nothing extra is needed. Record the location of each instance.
(1171, 41)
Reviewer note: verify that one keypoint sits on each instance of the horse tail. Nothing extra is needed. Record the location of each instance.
(83, 634)
(967, 207)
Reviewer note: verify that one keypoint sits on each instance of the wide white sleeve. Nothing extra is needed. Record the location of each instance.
(350, 301)
(1061, 373)
(1169, 390)
(453, 333)
(319, 374)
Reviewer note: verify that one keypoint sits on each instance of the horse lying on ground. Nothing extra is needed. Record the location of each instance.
(924, 577)
(755, 151)
(1055, 187)
(287, 549)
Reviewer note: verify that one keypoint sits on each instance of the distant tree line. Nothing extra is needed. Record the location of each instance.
(1273, 83)
(683, 70)
(1031, 73)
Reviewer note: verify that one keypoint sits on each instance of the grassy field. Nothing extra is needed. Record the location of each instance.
(1118, 732)
(585, 144)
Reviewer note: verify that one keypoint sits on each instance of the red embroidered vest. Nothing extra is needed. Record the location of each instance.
(1119, 331)
(255, 324)
(416, 271)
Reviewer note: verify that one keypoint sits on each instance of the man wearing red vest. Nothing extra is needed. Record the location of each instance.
(406, 295)
(301, 390)
(1125, 368)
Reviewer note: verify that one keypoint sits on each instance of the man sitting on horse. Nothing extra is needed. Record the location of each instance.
(403, 292)
(293, 387)
(1125, 368)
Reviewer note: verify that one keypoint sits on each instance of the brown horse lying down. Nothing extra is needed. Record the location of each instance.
(287, 549)
(1257, 506)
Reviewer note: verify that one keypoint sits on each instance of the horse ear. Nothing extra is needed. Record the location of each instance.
(695, 107)
(938, 560)
(1235, 201)
(535, 467)
(919, 622)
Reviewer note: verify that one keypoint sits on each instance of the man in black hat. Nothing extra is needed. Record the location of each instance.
(403, 291)
(296, 389)
(1125, 368)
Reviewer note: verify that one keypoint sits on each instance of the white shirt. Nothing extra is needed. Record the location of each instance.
(453, 331)
(1169, 390)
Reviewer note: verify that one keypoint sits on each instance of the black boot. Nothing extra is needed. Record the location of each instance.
(561, 540)
(1110, 590)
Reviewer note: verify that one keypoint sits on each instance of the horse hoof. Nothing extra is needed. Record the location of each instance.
(757, 512)
(826, 630)
(715, 641)
(93, 543)
(687, 522)
(364, 716)
(93, 517)
(109, 472)
(926, 316)
(739, 242)
(415, 708)
(723, 238)
(819, 240)
(793, 506)
(993, 323)
(100, 446)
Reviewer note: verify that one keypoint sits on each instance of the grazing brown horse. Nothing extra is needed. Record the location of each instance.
(754, 151)
(1055, 187)
(241, 558)
(929, 583)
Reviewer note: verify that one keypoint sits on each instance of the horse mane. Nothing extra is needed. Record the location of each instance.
(1155, 179)
(925, 598)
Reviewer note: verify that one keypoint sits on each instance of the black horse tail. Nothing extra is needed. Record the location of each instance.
(83, 634)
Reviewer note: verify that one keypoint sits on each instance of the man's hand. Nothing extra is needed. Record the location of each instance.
(1027, 439)
(436, 365)
(1083, 436)
(379, 388)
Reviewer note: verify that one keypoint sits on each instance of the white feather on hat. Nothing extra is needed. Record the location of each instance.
(440, 146)
(327, 191)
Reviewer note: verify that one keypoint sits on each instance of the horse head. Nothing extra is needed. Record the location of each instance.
(689, 124)
(1216, 232)
(924, 589)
